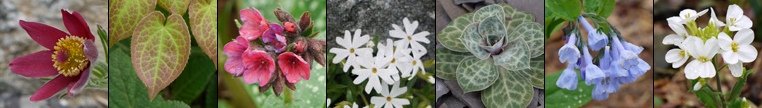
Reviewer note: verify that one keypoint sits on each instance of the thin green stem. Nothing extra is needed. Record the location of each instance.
(364, 100)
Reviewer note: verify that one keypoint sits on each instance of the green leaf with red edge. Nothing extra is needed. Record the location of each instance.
(203, 23)
(160, 51)
(174, 6)
(124, 15)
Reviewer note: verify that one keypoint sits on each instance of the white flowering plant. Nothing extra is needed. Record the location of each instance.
(382, 72)
(616, 62)
(706, 45)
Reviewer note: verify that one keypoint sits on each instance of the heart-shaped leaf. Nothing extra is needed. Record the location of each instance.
(203, 23)
(536, 73)
(514, 14)
(474, 74)
(515, 55)
(533, 34)
(174, 6)
(492, 30)
(126, 89)
(566, 98)
(189, 85)
(124, 15)
(160, 51)
(450, 36)
(487, 11)
(472, 41)
(447, 62)
(511, 90)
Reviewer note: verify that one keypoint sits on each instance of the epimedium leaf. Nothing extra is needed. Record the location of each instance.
(126, 89)
(511, 90)
(203, 23)
(474, 74)
(472, 40)
(533, 34)
(536, 72)
(515, 55)
(487, 11)
(124, 15)
(492, 29)
(160, 50)
(568, 10)
(450, 36)
(189, 85)
(566, 98)
(512, 13)
(174, 6)
(447, 62)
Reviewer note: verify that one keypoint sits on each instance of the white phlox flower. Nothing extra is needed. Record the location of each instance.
(389, 98)
(408, 37)
(373, 70)
(351, 48)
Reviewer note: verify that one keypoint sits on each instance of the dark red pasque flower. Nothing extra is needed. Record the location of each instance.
(70, 56)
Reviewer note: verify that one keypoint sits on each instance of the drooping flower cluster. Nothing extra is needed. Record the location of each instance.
(70, 56)
(617, 61)
(394, 61)
(294, 48)
(704, 44)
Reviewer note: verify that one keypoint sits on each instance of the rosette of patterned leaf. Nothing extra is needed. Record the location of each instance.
(495, 50)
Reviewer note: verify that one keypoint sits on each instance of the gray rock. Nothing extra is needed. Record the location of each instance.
(441, 89)
(375, 18)
(472, 99)
(448, 101)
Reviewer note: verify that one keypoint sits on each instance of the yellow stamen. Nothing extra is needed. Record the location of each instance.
(703, 59)
(682, 53)
(389, 99)
(352, 50)
(734, 46)
(69, 59)
(409, 38)
(394, 60)
(413, 62)
(374, 70)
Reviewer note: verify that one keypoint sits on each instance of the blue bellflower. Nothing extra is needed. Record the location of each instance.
(628, 58)
(568, 79)
(596, 40)
(591, 72)
(569, 52)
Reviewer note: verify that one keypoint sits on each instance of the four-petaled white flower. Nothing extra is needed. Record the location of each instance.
(736, 20)
(702, 66)
(389, 99)
(680, 32)
(408, 37)
(690, 15)
(737, 51)
(351, 49)
(714, 19)
(677, 57)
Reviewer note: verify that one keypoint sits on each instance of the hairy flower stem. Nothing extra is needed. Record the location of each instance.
(289, 96)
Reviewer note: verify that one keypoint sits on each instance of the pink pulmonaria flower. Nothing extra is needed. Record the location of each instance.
(259, 67)
(234, 50)
(275, 37)
(70, 56)
(254, 24)
(290, 27)
(293, 67)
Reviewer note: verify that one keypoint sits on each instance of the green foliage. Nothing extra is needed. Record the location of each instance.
(127, 89)
(124, 15)
(189, 85)
(496, 49)
(568, 10)
(602, 8)
(566, 98)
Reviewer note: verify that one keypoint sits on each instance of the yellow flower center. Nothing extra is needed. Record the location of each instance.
(683, 53)
(389, 99)
(394, 60)
(732, 22)
(413, 62)
(352, 50)
(409, 38)
(734, 46)
(375, 70)
(703, 59)
(687, 15)
(69, 59)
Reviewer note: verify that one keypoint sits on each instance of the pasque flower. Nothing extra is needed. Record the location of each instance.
(70, 56)
(254, 24)
(737, 51)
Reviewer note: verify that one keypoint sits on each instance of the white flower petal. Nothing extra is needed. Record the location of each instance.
(697, 86)
(421, 37)
(709, 48)
(672, 39)
(708, 70)
(736, 69)
(398, 102)
(680, 62)
(692, 69)
(730, 57)
(734, 11)
(714, 19)
(724, 41)
(684, 14)
(378, 101)
(746, 53)
(673, 55)
(743, 37)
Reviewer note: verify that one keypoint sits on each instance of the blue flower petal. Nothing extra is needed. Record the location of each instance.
(568, 79)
